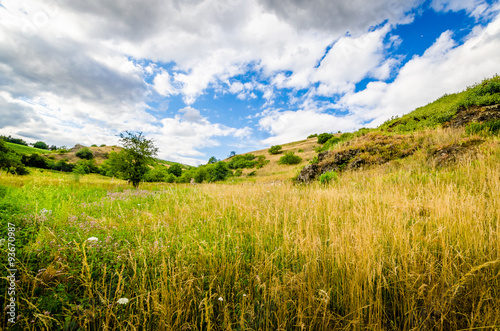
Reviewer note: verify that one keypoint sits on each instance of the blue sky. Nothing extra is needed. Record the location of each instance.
(207, 77)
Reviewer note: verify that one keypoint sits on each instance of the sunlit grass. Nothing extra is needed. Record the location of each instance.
(401, 246)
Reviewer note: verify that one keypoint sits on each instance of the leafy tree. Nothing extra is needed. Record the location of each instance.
(219, 172)
(212, 160)
(41, 145)
(276, 149)
(233, 153)
(175, 169)
(138, 154)
(53, 148)
(85, 153)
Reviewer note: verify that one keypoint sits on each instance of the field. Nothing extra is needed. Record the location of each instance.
(407, 245)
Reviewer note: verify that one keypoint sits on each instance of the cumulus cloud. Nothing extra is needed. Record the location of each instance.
(445, 67)
(181, 137)
(287, 126)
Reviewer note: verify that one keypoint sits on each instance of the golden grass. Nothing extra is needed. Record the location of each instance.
(403, 246)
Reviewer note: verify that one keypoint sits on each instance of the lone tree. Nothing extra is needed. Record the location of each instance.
(138, 153)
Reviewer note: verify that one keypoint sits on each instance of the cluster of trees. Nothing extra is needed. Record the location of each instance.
(135, 162)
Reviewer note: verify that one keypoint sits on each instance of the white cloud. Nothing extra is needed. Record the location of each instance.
(443, 68)
(163, 85)
(183, 136)
(287, 126)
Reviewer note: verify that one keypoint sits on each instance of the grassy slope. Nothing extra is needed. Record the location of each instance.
(27, 149)
(400, 246)
(406, 245)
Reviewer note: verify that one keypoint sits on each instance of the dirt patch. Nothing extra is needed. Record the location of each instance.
(448, 154)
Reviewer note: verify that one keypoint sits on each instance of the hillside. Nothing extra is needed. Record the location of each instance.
(438, 133)
(405, 236)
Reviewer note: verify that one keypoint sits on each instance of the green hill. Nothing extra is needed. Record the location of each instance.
(22, 149)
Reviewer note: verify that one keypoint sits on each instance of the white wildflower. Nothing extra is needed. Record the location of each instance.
(220, 299)
(92, 239)
(122, 301)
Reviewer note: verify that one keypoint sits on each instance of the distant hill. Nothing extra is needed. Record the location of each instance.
(472, 112)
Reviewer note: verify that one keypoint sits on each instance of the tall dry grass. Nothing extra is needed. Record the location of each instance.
(403, 246)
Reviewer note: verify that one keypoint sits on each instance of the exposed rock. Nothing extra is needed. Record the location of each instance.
(448, 154)
(76, 148)
(465, 116)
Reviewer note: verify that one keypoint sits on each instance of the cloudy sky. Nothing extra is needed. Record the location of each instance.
(207, 77)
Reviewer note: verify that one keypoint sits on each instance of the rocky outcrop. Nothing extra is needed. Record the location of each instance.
(465, 116)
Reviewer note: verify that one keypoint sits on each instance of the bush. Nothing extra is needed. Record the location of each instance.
(157, 174)
(312, 135)
(300, 151)
(63, 166)
(175, 169)
(327, 177)
(276, 149)
(35, 160)
(252, 174)
(85, 153)
(324, 137)
(238, 173)
(290, 158)
(261, 161)
(242, 161)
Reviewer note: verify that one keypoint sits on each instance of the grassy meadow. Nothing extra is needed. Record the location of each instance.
(407, 245)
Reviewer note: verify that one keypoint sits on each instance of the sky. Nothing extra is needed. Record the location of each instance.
(204, 78)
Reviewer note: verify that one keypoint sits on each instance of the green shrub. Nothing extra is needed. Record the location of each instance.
(175, 169)
(483, 94)
(300, 151)
(85, 153)
(261, 161)
(290, 158)
(238, 173)
(93, 145)
(327, 177)
(252, 174)
(314, 160)
(324, 137)
(276, 149)
(242, 161)
(312, 135)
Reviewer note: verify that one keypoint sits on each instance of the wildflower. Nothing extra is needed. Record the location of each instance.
(122, 301)
(220, 299)
(244, 295)
(92, 239)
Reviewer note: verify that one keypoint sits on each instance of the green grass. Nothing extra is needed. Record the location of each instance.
(27, 149)
(445, 108)
(396, 247)
(429, 116)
